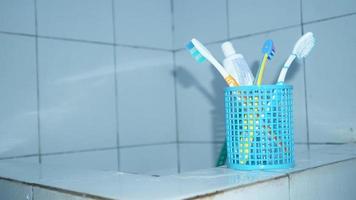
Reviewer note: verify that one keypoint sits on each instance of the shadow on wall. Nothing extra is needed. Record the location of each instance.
(215, 97)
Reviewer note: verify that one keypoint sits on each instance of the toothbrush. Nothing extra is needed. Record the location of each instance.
(301, 49)
(201, 53)
(269, 51)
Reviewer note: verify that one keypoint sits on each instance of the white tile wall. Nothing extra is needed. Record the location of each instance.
(100, 160)
(144, 23)
(319, 9)
(328, 182)
(145, 96)
(205, 20)
(80, 19)
(17, 16)
(200, 98)
(194, 156)
(246, 17)
(150, 160)
(331, 81)
(77, 80)
(77, 96)
(14, 191)
(277, 189)
(18, 116)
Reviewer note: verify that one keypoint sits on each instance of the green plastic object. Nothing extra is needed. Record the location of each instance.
(222, 156)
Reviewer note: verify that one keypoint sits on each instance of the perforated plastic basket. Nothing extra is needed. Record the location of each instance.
(259, 126)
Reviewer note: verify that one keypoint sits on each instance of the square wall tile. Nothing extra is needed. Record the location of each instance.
(145, 96)
(150, 160)
(195, 156)
(330, 75)
(205, 20)
(18, 88)
(17, 16)
(200, 98)
(77, 96)
(284, 41)
(336, 181)
(98, 159)
(80, 19)
(319, 9)
(144, 23)
(246, 17)
(277, 189)
(14, 190)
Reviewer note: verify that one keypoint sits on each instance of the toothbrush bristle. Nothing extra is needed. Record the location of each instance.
(189, 46)
(201, 59)
(271, 54)
(195, 53)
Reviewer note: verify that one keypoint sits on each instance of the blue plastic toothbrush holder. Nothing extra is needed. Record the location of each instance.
(259, 127)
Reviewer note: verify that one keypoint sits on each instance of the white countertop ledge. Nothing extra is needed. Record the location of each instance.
(118, 185)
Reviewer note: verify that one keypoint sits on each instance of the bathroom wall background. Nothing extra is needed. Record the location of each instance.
(106, 84)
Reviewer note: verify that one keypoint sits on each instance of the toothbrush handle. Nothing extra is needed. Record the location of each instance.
(228, 78)
(262, 69)
(231, 81)
(283, 73)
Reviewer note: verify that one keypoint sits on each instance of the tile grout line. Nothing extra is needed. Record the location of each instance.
(175, 89)
(329, 18)
(84, 41)
(176, 113)
(89, 150)
(20, 156)
(38, 86)
(116, 86)
(227, 20)
(305, 79)
(79, 151)
(32, 193)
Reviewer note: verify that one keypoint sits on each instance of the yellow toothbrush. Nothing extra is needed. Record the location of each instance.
(268, 51)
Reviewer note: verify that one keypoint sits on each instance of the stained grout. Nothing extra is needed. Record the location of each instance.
(18, 34)
(38, 86)
(92, 150)
(116, 87)
(85, 41)
(305, 79)
(175, 90)
(227, 20)
(328, 18)
(16, 157)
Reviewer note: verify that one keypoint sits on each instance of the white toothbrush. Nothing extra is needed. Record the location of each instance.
(301, 49)
(201, 53)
